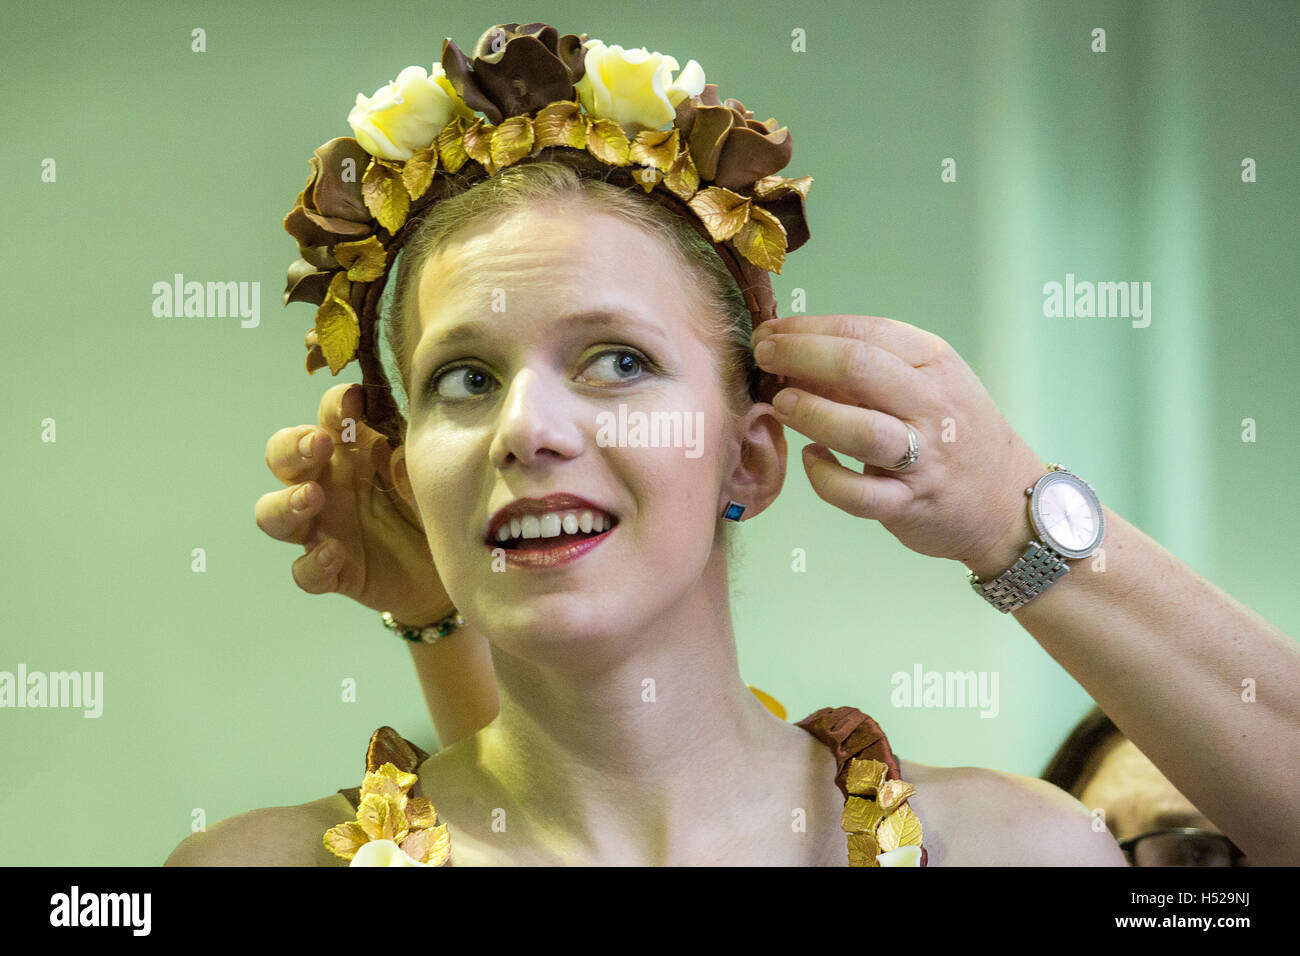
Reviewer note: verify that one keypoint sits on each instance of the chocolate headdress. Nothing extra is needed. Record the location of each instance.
(606, 111)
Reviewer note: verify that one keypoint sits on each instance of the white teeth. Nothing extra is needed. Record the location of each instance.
(552, 524)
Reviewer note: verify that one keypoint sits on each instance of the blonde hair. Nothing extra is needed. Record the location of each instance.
(726, 322)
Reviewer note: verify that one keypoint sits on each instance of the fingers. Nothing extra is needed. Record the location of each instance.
(342, 404)
(870, 375)
(290, 514)
(914, 346)
(317, 571)
(298, 453)
(870, 436)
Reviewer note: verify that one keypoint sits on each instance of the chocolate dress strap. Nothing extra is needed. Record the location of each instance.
(850, 733)
(846, 731)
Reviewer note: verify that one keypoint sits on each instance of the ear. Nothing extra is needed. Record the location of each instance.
(401, 479)
(759, 476)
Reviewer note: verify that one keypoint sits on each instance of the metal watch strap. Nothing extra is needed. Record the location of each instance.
(1031, 575)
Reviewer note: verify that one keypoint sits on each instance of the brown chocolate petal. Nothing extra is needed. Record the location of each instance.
(487, 47)
(316, 359)
(388, 746)
(463, 81)
(747, 156)
(572, 54)
(306, 283)
(313, 229)
(789, 209)
(526, 78)
(333, 195)
(322, 257)
(708, 136)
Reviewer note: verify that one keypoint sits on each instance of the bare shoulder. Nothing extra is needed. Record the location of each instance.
(973, 816)
(270, 836)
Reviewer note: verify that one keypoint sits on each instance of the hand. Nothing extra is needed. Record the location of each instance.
(856, 380)
(350, 514)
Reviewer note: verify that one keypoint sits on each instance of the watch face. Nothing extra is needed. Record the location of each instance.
(1067, 514)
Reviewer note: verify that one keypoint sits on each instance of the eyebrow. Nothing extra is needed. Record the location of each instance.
(472, 330)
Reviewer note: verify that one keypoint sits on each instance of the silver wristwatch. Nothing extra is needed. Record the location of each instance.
(1068, 519)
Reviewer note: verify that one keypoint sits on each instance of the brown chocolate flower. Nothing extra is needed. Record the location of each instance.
(516, 70)
(730, 149)
(733, 151)
(330, 208)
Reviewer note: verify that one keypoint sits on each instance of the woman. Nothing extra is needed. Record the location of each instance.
(628, 737)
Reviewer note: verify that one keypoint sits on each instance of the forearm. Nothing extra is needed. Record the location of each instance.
(458, 682)
(1170, 658)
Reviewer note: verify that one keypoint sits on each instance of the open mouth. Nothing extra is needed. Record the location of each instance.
(563, 539)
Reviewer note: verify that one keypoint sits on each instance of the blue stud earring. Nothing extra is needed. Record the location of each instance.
(734, 510)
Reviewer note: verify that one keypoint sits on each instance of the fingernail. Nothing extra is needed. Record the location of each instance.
(305, 443)
(299, 499)
(784, 402)
(763, 352)
(327, 555)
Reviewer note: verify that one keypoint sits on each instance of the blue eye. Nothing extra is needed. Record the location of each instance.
(630, 361)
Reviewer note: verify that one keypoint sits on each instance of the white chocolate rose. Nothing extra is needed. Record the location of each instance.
(406, 114)
(635, 88)
(903, 856)
(383, 853)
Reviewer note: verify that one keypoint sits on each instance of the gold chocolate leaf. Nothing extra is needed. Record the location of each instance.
(761, 239)
(683, 178)
(894, 792)
(345, 839)
(722, 211)
(862, 849)
(382, 819)
(512, 140)
(451, 145)
(561, 123)
(388, 781)
(364, 259)
(861, 815)
(654, 147)
(417, 174)
(769, 187)
(865, 776)
(478, 145)
(337, 328)
(607, 142)
(385, 196)
(900, 828)
(429, 846)
(420, 813)
(647, 177)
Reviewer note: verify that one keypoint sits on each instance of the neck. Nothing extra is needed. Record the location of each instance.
(633, 744)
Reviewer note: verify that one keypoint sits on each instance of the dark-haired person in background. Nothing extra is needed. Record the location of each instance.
(1154, 824)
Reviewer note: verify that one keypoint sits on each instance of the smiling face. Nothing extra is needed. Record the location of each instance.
(514, 410)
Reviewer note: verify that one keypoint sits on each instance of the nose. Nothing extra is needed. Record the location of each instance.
(537, 419)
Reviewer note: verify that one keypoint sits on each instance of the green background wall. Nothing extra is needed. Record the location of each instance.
(221, 689)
